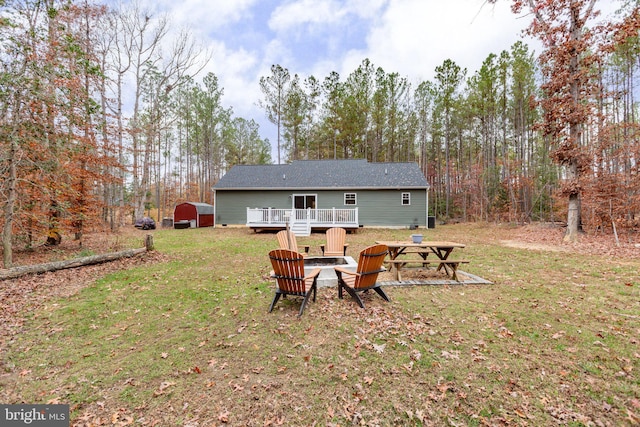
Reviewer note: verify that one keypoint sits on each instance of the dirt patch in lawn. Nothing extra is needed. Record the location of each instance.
(549, 237)
(533, 246)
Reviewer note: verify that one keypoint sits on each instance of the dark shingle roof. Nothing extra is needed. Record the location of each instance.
(323, 174)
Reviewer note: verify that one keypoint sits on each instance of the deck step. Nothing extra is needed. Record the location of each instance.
(301, 229)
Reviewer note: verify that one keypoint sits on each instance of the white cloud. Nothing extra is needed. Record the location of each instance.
(277, 51)
(304, 12)
(311, 13)
(415, 36)
(365, 8)
(235, 70)
(197, 15)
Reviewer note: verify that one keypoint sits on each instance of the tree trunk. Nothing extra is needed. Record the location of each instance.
(573, 220)
(12, 273)
(575, 133)
(7, 248)
(573, 213)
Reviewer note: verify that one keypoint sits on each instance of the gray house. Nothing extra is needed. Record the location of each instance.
(311, 195)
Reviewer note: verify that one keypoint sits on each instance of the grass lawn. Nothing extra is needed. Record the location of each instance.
(189, 342)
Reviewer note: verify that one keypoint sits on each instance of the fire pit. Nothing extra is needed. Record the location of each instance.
(327, 275)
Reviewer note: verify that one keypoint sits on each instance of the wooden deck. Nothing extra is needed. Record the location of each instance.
(302, 221)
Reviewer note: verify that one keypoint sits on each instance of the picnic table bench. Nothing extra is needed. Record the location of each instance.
(449, 265)
(441, 250)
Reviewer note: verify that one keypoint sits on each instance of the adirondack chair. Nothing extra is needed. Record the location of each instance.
(366, 274)
(336, 245)
(288, 270)
(287, 240)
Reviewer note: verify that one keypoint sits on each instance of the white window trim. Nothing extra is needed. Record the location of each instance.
(305, 195)
(407, 198)
(355, 199)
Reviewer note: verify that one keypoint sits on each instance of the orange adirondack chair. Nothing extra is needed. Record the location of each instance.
(287, 240)
(366, 275)
(288, 270)
(336, 242)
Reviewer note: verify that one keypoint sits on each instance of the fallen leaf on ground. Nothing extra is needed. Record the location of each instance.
(379, 347)
(163, 387)
(223, 417)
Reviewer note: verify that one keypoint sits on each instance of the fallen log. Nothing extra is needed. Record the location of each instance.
(12, 273)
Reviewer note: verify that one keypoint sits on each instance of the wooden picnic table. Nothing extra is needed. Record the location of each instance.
(441, 250)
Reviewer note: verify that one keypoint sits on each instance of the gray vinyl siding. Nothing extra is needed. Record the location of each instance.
(384, 208)
(375, 207)
(231, 206)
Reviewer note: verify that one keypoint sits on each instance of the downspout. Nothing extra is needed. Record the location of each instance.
(215, 205)
(426, 219)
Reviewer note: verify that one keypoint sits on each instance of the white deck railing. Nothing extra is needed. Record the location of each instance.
(315, 217)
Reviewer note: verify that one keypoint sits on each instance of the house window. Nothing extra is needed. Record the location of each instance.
(304, 201)
(406, 199)
(350, 199)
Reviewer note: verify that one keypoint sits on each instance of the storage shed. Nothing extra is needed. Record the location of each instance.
(196, 214)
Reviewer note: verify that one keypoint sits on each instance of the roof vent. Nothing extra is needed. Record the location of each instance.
(385, 171)
(284, 176)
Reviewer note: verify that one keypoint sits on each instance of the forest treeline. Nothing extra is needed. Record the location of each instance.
(524, 138)
(101, 119)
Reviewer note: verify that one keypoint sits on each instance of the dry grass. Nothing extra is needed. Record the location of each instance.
(188, 340)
